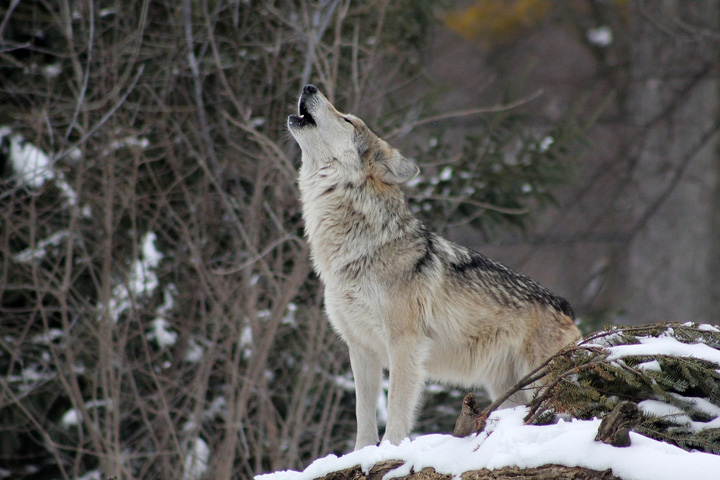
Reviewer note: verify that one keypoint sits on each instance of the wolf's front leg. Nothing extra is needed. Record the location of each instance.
(367, 372)
(407, 375)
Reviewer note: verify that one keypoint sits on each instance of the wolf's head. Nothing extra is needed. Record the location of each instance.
(333, 140)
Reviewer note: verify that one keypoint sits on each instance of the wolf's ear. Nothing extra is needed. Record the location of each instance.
(394, 168)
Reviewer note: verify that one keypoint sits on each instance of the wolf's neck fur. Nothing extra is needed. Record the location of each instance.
(341, 218)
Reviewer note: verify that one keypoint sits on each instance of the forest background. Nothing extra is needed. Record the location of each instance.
(158, 313)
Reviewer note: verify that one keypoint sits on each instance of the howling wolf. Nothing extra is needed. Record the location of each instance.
(401, 296)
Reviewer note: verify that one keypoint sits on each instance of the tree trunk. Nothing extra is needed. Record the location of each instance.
(673, 108)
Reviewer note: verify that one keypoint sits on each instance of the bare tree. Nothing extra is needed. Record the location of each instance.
(159, 315)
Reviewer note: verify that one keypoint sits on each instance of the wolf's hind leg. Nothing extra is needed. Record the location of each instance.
(502, 384)
(367, 372)
(407, 355)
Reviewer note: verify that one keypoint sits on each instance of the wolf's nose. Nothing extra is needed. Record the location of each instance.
(307, 89)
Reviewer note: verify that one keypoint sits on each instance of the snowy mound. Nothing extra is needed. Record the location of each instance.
(672, 372)
(507, 441)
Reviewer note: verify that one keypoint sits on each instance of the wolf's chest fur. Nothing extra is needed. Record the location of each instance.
(357, 229)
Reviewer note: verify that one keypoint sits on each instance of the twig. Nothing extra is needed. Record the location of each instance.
(5, 19)
(538, 373)
(104, 118)
(86, 77)
(270, 146)
(259, 256)
(475, 203)
(528, 379)
(532, 413)
(468, 112)
(198, 88)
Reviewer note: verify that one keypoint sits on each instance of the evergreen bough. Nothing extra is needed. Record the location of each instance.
(677, 388)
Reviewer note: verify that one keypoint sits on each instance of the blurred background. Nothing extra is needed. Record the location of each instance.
(158, 313)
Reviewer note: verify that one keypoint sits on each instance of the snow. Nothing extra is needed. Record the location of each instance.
(48, 336)
(30, 376)
(661, 409)
(446, 174)
(665, 346)
(106, 12)
(31, 254)
(161, 333)
(601, 36)
(508, 442)
(127, 142)
(33, 167)
(92, 475)
(197, 458)
(30, 164)
(382, 407)
(652, 365)
(194, 352)
(52, 71)
(703, 405)
(72, 417)
(546, 143)
(289, 318)
(246, 341)
(705, 327)
(345, 382)
(142, 279)
(144, 276)
(216, 409)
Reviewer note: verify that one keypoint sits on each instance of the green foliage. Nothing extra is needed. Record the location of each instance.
(678, 393)
(500, 176)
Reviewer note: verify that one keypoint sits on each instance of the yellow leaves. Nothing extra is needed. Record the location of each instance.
(496, 20)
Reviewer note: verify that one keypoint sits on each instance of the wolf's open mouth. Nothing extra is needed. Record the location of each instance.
(304, 117)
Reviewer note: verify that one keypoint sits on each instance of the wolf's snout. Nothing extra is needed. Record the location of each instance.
(304, 118)
(308, 92)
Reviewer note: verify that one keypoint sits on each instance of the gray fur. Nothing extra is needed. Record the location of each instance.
(400, 296)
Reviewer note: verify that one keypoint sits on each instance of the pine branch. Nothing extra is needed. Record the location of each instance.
(583, 383)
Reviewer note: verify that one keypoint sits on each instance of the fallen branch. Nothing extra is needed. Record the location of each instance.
(558, 472)
(525, 382)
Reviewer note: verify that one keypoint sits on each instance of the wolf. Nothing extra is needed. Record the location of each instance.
(402, 297)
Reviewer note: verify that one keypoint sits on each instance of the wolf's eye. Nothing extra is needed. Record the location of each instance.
(348, 121)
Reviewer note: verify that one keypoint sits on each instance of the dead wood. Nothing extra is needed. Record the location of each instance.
(545, 472)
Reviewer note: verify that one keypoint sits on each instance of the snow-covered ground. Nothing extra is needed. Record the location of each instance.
(508, 442)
